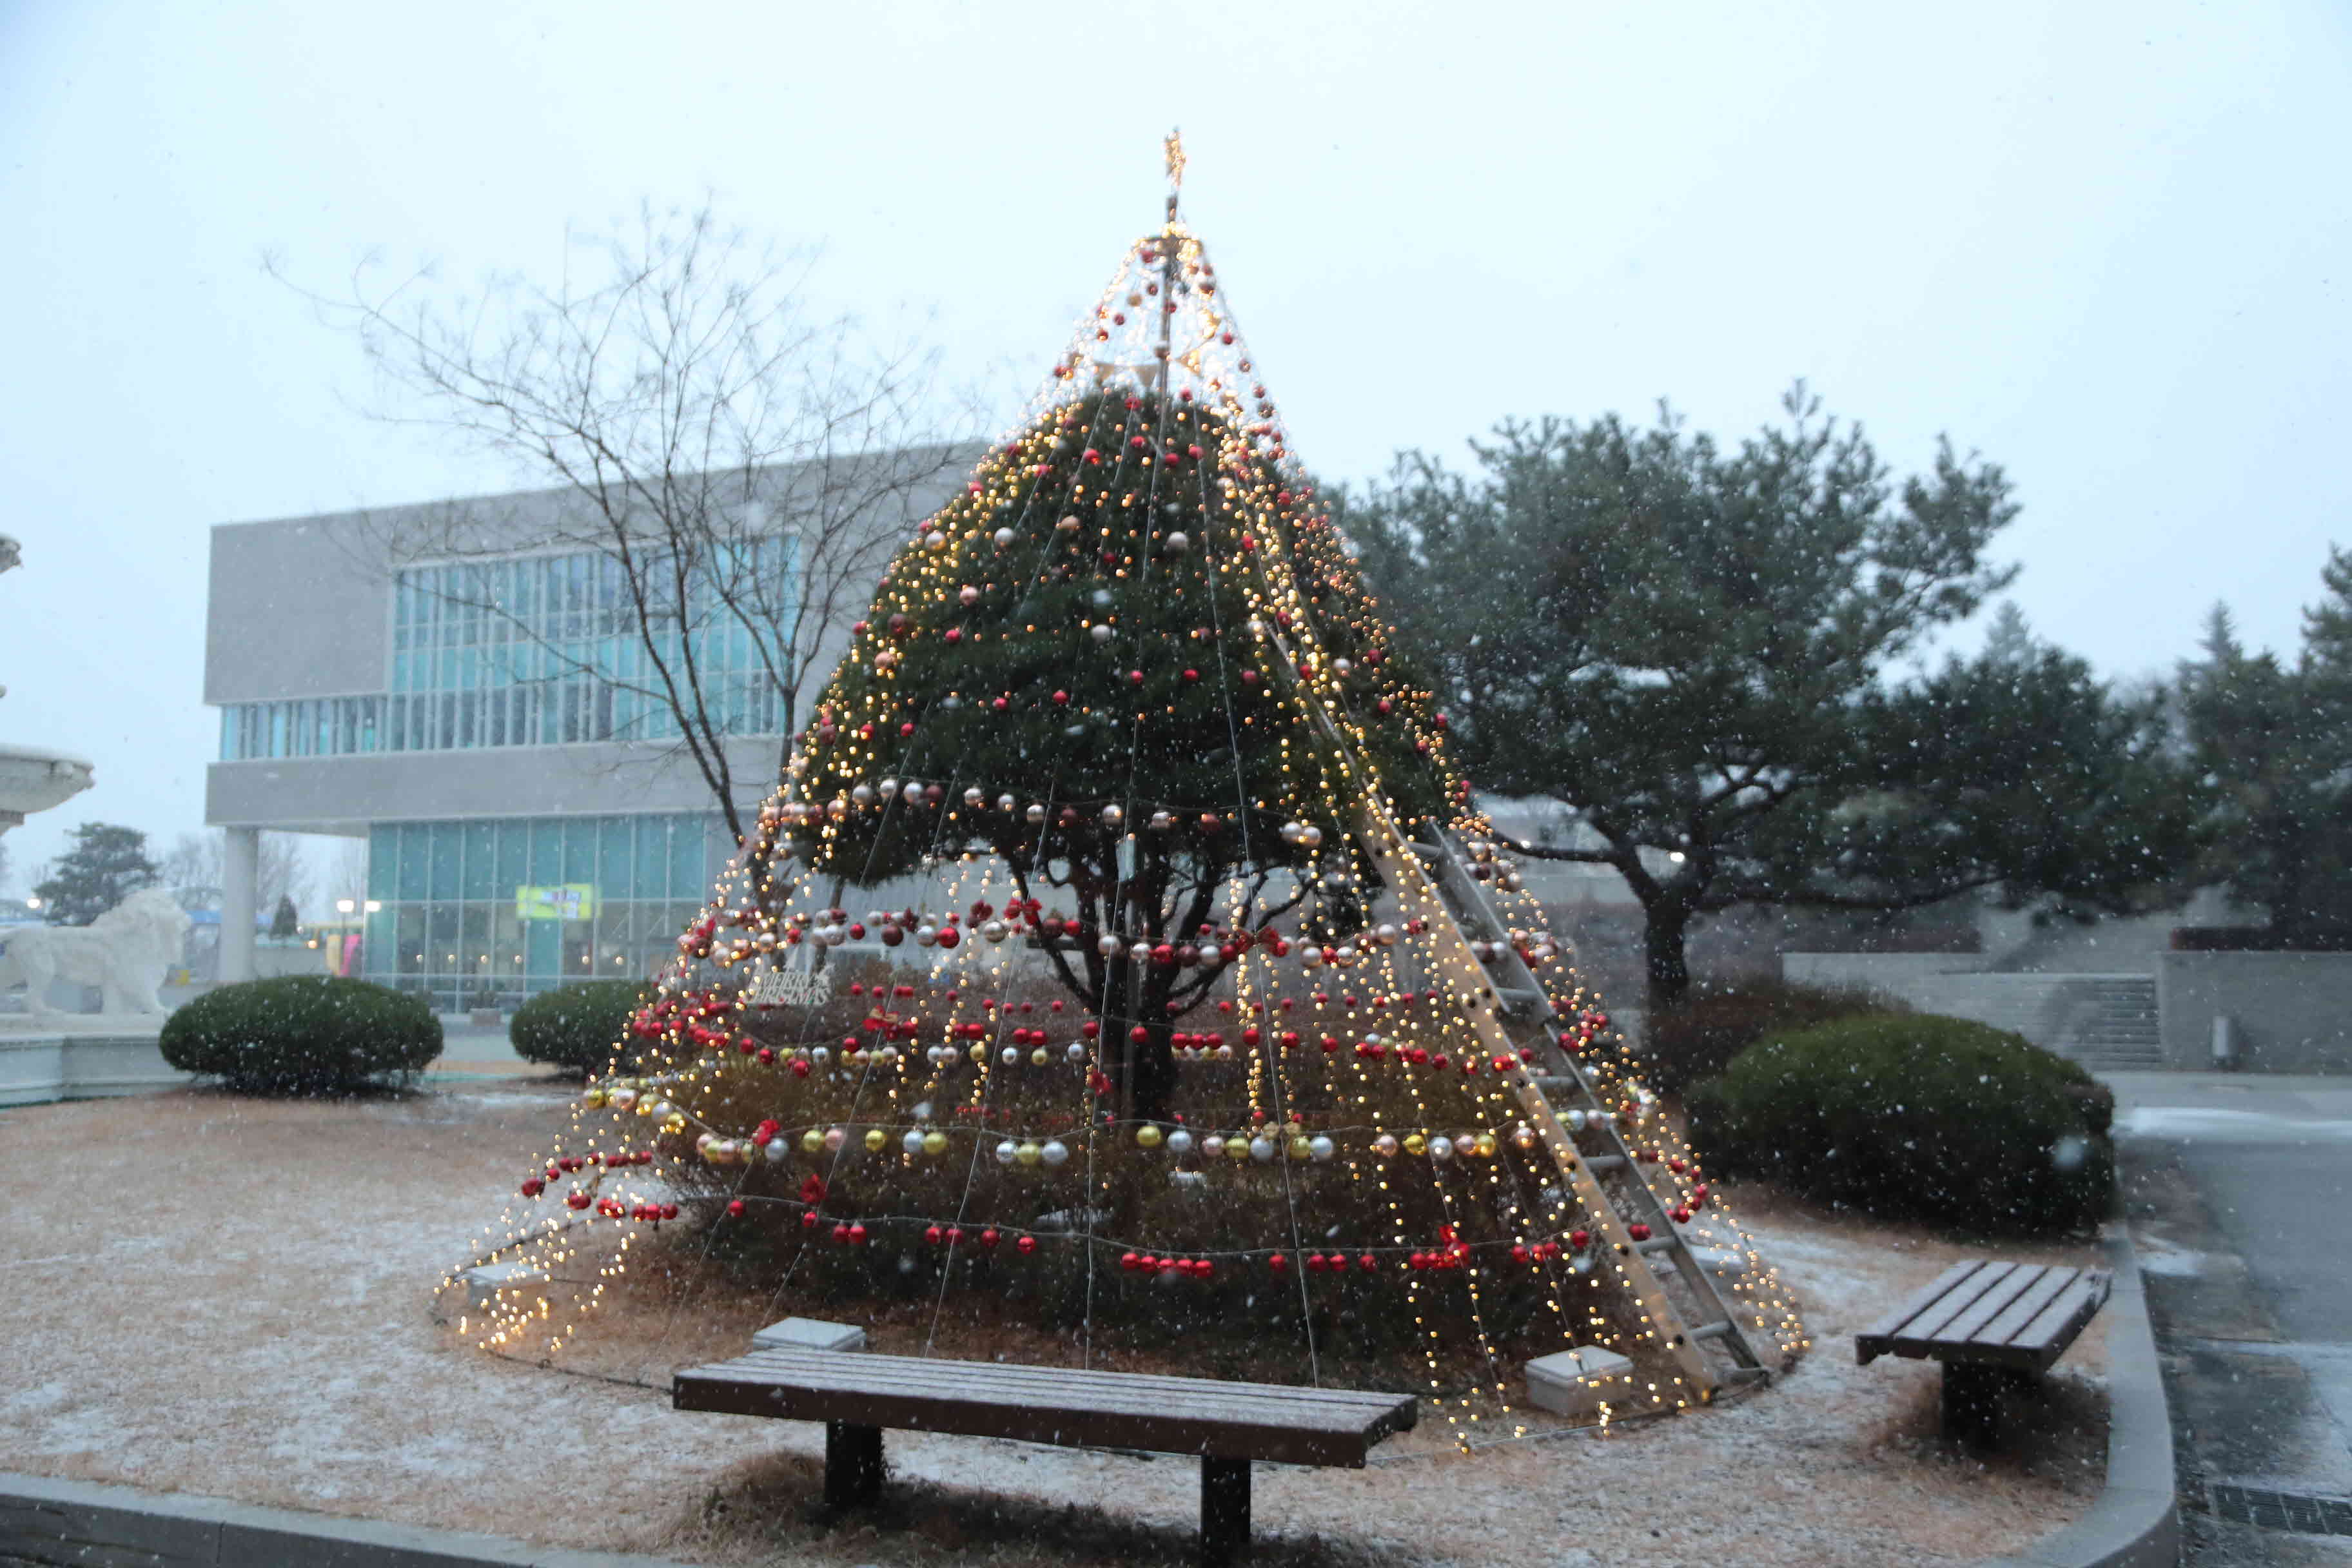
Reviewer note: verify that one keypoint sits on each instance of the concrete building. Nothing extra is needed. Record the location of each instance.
(463, 684)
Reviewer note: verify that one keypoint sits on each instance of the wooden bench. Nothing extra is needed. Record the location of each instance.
(1991, 1324)
(1227, 1424)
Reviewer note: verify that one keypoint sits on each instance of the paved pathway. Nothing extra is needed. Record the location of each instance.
(2239, 1193)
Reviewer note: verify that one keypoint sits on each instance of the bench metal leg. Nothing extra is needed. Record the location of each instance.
(853, 1464)
(1973, 1401)
(1224, 1510)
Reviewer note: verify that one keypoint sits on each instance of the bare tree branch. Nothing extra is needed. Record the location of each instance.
(737, 466)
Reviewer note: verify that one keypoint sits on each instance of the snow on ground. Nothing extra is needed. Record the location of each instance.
(230, 1298)
(2223, 1125)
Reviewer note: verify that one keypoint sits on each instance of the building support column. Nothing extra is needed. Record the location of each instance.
(241, 859)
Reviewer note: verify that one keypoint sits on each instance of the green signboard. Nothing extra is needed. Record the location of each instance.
(564, 901)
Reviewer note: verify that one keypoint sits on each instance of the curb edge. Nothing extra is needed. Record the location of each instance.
(47, 1520)
(2134, 1523)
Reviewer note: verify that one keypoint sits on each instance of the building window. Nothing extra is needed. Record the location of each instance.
(487, 912)
(311, 727)
(545, 650)
(533, 651)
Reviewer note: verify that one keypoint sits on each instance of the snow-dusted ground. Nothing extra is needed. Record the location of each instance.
(229, 1298)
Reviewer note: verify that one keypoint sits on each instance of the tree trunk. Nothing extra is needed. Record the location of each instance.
(1663, 927)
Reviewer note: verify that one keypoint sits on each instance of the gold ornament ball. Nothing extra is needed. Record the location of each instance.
(1148, 1135)
(875, 1140)
(811, 1142)
(1299, 1147)
(1028, 1154)
(935, 1141)
(1414, 1143)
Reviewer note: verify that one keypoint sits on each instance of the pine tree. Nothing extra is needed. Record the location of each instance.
(105, 865)
(2274, 743)
(1083, 665)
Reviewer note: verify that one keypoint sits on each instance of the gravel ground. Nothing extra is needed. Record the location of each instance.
(230, 1297)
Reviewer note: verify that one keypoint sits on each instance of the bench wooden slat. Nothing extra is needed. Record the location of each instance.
(1340, 1409)
(2028, 1306)
(1993, 1303)
(1925, 1328)
(2045, 1338)
(1873, 1340)
(1053, 1405)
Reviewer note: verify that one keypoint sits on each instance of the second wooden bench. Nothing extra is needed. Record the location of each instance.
(1989, 1323)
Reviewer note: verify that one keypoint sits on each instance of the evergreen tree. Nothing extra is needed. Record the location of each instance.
(1070, 680)
(106, 864)
(2273, 745)
(1694, 649)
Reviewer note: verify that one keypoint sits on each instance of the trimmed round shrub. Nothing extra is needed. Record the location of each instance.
(1698, 1037)
(1916, 1118)
(576, 1026)
(301, 1033)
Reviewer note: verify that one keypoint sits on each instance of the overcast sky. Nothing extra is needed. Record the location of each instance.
(2103, 244)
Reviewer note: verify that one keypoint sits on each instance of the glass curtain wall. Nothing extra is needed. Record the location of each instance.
(483, 913)
(546, 650)
(541, 651)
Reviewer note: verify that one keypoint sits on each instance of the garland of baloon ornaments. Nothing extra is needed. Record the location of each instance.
(1309, 1002)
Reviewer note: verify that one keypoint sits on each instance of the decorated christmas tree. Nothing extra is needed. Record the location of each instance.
(1201, 1020)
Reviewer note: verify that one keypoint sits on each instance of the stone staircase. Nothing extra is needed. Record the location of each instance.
(2114, 1027)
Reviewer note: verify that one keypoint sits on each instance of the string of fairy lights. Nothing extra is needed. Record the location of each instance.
(1357, 1045)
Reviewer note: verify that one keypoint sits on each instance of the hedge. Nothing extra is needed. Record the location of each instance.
(1916, 1118)
(301, 1033)
(576, 1026)
(1698, 1037)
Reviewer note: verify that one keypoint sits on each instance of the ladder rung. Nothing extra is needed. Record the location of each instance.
(1605, 1163)
(1518, 994)
(1556, 1083)
(1427, 851)
(1656, 1244)
(1712, 1331)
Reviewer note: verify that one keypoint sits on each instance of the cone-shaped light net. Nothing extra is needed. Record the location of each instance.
(1081, 993)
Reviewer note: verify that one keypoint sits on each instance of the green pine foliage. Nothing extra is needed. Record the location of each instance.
(1701, 652)
(105, 865)
(1062, 661)
(2273, 742)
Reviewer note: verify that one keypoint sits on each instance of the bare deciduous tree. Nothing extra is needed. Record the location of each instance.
(192, 869)
(739, 469)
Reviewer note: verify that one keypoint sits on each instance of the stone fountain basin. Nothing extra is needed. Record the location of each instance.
(32, 780)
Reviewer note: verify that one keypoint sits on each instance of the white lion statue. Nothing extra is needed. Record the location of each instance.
(124, 952)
